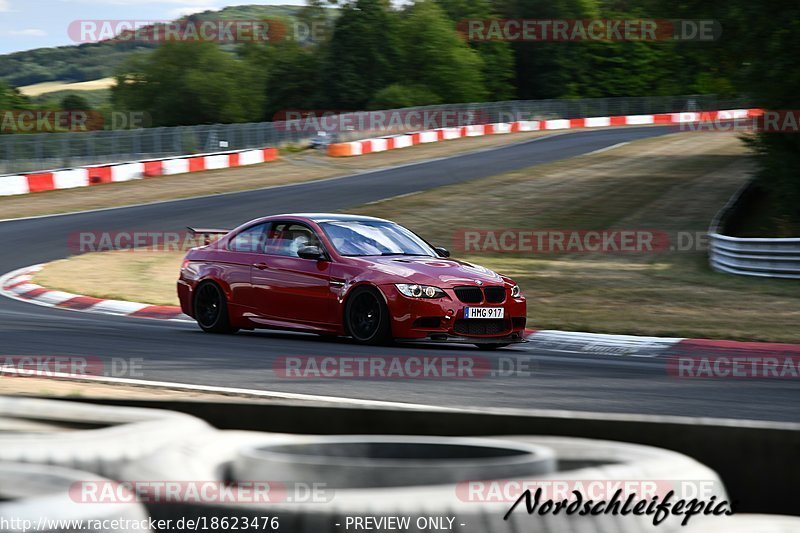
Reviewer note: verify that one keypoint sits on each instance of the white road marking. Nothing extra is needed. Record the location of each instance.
(607, 148)
(601, 343)
(554, 413)
(225, 390)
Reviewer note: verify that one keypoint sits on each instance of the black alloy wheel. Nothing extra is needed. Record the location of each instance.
(211, 309)
(367, 317)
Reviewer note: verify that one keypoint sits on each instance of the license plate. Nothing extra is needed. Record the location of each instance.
(483, 312)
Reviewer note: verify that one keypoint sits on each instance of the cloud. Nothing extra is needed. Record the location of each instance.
(28, 32)
(5, 5)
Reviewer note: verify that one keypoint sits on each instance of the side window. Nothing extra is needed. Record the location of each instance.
(286, 238)
(251, 239)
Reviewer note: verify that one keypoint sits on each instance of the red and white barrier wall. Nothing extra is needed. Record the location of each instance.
(97, 174)
(380, 144)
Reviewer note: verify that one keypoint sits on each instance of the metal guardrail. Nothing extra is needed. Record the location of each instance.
(21, 153)
(771, 258)
(751, 256)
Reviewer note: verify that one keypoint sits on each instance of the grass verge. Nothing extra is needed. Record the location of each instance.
(135, 275)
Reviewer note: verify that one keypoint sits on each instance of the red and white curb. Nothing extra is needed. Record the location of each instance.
(151, 168)
(393, 142)
(602, 344)
(18, 285)
(719, 356)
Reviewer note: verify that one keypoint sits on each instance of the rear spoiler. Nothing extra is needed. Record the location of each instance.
(206, 233)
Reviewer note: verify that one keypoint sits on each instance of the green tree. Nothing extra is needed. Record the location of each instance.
(73, 102)
(497, 56)
(436, 57)
(362, 55)
(701, 67)
(11, 98)
(772, 77)
(549, 69)
(184, 83)
(291, 76)
(314, 21)
(398, 95)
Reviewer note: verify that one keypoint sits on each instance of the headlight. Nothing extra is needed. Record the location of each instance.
(420, 291)
(515, 292)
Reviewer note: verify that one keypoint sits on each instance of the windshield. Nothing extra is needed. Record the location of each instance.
(361, 238)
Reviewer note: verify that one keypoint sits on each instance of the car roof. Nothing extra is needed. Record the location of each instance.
(330, 217)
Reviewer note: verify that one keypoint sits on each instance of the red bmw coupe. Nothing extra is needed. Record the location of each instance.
(335, 274)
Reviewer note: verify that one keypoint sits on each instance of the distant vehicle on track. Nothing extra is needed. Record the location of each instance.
(335, 274)
(322, 139)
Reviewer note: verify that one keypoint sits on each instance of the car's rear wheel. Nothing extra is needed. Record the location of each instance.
(367, 317)
(491, 346)
(211, 309)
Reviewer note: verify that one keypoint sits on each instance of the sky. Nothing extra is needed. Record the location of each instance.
(27, 24)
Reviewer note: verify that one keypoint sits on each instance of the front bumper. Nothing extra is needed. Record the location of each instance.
(442, 319)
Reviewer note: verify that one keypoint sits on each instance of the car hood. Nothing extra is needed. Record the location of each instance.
(436, 271)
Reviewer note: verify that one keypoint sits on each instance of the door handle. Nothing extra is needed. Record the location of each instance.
(261, 266)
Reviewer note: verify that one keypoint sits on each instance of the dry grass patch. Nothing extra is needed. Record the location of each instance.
(134, 275)
(39, 89)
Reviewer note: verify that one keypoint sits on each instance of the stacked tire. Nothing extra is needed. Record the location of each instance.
(46, 499)
(47, 448)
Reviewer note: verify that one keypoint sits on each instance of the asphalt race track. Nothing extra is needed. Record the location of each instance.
(179, 352)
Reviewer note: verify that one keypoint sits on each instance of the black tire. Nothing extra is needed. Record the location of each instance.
(487, 347)
(366, 317)
(211, 309)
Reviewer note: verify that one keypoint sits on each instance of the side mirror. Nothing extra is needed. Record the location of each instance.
(310, 252)
(442, 252)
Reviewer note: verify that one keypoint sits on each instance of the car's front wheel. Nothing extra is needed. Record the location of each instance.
(211, 309)
(367, 316)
